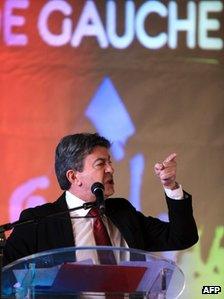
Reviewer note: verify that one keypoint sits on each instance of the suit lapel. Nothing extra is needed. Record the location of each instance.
(126, 221)
(64, 223)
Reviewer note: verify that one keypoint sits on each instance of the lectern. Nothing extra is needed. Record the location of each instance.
(74, 272)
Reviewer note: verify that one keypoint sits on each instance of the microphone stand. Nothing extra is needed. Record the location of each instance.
(8, 226)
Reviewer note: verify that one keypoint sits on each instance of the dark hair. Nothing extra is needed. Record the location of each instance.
(71, 152)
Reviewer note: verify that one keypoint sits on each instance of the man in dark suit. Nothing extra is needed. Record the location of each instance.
(80, 161)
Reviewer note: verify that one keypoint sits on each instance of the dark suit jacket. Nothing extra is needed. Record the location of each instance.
(139, 231)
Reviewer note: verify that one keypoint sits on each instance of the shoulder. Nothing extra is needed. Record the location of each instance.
(117, 201)
(45, 209)
(118, 204)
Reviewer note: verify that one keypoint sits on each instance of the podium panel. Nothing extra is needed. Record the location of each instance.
(75, 272)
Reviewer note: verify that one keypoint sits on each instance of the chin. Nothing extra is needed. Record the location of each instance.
(109, 192)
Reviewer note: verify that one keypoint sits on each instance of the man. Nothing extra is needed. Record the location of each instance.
(80, 161)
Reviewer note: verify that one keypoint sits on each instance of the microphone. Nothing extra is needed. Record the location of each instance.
(97, 189)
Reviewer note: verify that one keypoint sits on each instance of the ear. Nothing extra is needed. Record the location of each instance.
(72, 177)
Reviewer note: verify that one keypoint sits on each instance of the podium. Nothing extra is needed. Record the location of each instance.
(75, 272)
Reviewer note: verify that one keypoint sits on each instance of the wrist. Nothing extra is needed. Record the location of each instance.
(174, 186)
(176, 193)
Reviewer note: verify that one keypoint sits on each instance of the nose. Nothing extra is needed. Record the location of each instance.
(109, 168)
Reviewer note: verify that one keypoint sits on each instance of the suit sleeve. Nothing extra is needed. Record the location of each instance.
(179, 233)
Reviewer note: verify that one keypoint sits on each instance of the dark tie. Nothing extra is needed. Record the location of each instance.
(101, 238)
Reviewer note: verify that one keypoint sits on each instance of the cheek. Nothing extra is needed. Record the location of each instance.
(87, 181)
(89, 177)
(97, 176)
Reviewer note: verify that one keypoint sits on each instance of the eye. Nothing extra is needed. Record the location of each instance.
(103, 163)
(100, 164)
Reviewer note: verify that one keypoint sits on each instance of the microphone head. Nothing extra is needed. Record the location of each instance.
(97, 186)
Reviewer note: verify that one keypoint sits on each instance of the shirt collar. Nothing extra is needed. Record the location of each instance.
(73, 201)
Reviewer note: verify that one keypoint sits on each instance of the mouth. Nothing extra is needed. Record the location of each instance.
(110, 182)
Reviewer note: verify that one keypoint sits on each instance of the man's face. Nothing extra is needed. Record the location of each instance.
(97, 168)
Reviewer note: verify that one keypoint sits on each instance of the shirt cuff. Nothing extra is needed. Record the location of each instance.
(175, 194)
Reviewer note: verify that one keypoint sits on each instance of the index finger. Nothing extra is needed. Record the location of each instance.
(170, 158)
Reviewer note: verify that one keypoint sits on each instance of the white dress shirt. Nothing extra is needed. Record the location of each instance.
(83, 230)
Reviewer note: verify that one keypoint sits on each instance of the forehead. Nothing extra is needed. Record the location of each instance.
(97, 153)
